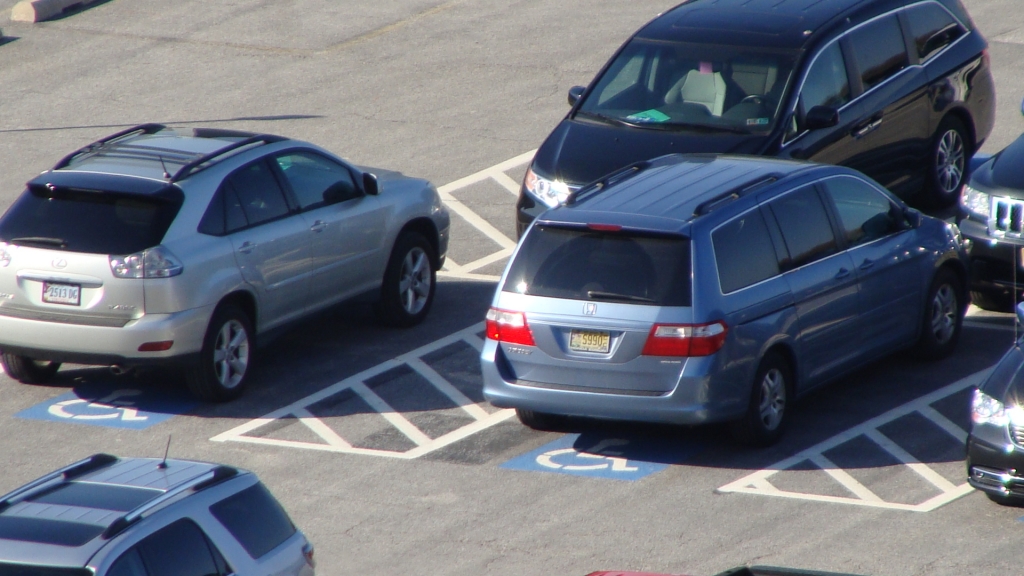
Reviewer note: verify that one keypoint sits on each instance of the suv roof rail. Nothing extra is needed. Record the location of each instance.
(197, 164)
(150, 128)
(734, 194)
(68, 472)
(613, 178)
(215, 476)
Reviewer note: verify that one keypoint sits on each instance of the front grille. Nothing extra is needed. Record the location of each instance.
(46, 316)
(1008, 217)
(1017, 434)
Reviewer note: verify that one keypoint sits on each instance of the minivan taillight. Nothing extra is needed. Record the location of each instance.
(685, 339)
(510, 327)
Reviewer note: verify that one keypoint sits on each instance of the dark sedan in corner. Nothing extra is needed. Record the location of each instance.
(900, 90)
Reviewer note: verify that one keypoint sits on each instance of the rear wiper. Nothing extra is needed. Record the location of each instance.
(592, 294)
(58, 242)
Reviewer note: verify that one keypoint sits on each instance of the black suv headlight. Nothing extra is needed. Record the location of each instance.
(550, 192)
(977, 203)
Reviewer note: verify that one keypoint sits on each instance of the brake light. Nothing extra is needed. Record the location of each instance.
(511, 327)
(605, 227)
(307, 553)
(161, 346)
(685, 339)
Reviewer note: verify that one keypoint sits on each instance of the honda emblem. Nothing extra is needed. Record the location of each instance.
(590, 308)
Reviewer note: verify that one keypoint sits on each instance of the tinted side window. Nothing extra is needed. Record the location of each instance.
(259, 193)
(225, 214)
(129, 564)
(827, 83)
(180, 549)
(932, 29)
(744, 252)
(804, 225)
(255, 519)
(879, 50)
(316, 180)
(864, 213)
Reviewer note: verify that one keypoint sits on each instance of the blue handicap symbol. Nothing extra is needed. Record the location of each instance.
(600, 458)
(118, 408)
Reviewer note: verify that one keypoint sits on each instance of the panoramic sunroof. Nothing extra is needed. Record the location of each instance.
(102, 496)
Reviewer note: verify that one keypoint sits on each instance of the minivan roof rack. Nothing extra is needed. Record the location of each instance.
(734, 194)
(94, 462)
(215, 476)
(150, 128)
(198, 164)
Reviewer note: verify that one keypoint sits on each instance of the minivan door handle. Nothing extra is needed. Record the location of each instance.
(247, 247)
(867, 263)
(843, 273)
(318, 226)
(868, 127)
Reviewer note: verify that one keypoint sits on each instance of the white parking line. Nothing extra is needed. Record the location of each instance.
(333, 442)
(497, 174)
(758, 482)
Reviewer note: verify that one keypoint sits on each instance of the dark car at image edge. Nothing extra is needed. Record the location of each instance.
(900, 90)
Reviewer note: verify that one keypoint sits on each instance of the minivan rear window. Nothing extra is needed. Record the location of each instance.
(88, 221)
(611, 266)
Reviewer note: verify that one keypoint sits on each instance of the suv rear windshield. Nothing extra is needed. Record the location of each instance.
(88, 221)
(584, 264)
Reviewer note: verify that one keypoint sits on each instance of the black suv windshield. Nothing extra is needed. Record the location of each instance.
(680, 85)
(584, 264)
(88, 221)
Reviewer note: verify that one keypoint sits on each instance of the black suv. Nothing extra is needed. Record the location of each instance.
(898, 89)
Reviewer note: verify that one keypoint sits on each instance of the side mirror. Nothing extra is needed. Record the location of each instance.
(574, 94)
(1022, 106)
(370, 186)
(913, 217)
(821, 117)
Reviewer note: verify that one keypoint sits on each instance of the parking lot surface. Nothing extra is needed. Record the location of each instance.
(378, 440)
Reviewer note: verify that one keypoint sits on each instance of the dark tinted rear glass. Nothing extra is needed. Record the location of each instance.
(255, 519)
(47, 531)
(22, 570)
(932, 29)
(744, 252)
(88, 221)
(582, 264)
(879, 50)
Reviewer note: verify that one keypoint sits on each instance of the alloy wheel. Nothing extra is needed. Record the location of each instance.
(231, 354)
(949, 162)
(415, 281)
(773, 398)
(944, 314)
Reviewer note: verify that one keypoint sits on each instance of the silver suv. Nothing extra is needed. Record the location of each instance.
(157, 245)
(106, 516)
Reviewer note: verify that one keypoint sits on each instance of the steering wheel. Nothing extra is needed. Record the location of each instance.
(755, 98)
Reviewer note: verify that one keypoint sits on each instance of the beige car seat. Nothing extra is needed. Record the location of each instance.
(701, 88)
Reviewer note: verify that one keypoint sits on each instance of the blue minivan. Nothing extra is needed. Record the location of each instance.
(703, 288)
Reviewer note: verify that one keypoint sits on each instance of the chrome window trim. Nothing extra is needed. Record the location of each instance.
(803, 77)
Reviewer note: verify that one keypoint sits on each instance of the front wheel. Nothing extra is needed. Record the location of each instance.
(768, 411)
(942, 318)
(28, 370)
(409, 282)
(948, 170)
(224, 363)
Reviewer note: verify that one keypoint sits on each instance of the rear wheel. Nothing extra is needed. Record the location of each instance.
(942, 317)
(225, 361)
(768, 411)
(409, 282)
(540, 420)
(950, 153)
(28, 370)
(992, 302)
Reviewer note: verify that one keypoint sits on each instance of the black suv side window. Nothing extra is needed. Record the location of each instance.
(180, 549)
(315, 180)
(932, 29)
(865, 214)
(827, 83)
(744, 252)
(805, 226)
(879, 50)
(255, 519)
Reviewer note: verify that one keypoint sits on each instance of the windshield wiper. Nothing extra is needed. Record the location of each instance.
(58, 242)
(592, 294)
(612, 119)
(704, 127)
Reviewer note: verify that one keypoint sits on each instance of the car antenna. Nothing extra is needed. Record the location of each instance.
(167, 450)
(166, 173)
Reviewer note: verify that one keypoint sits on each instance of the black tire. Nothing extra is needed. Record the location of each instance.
(768, 412)
(1015, 502)
(226, 360)
(540, 420)
(409, 282)
(28, 370)
(1001, 302)
(942, 317)
(947, 170)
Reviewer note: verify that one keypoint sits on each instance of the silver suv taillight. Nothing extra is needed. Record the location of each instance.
(152, 263)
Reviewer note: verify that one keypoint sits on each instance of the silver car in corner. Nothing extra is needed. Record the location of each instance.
(164, 246)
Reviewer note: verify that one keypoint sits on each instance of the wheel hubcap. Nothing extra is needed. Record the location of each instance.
(773, 398)
(944, 312)
(949, 161)
(415, 280)
(231, 354)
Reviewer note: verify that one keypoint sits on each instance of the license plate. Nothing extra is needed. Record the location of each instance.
(67, 294)
(589, 341)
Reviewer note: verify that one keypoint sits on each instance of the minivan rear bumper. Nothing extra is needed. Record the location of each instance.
(678, 406)
(103, 345)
